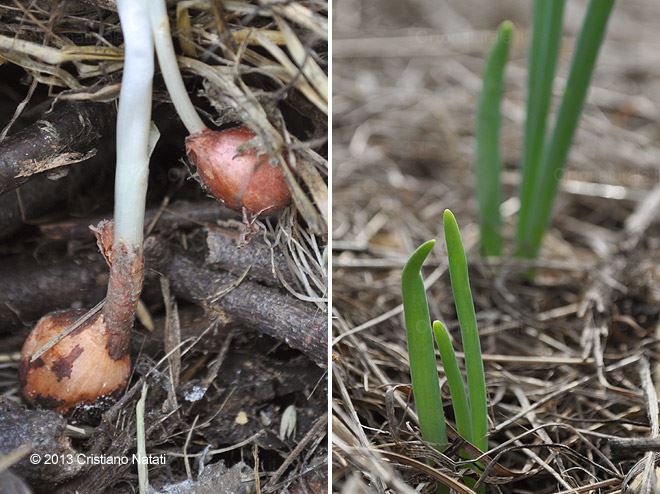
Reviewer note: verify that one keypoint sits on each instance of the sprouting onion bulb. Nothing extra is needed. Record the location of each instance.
(236, 175)
(92, 362)
(77, 370)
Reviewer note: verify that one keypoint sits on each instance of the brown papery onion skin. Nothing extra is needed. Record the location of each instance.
(240, 178)
(77, 370)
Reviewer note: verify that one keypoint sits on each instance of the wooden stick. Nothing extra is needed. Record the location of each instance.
(67, 135)
(634, 445)
(247, 303)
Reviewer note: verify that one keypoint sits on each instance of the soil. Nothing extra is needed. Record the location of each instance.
(229, 350)
(571, 356)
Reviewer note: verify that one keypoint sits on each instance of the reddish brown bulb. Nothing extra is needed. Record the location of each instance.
(78, 369)
(238, 178)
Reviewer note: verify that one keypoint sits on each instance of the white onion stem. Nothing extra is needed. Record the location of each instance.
(133, 123)
(160, 26)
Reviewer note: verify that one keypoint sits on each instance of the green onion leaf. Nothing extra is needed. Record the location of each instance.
(423, 370)
(455, 381)
(460, 284)
(488, 157)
